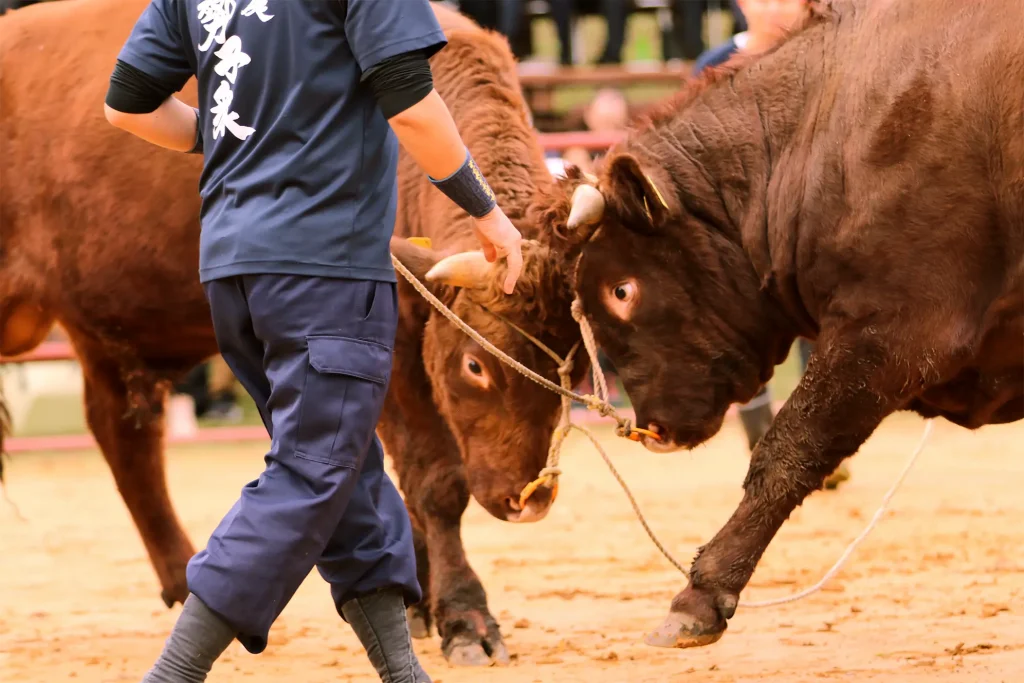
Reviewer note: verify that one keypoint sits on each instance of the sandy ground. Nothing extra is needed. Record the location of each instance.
(936, 594)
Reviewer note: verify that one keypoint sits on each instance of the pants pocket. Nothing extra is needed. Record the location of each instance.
(342, 397)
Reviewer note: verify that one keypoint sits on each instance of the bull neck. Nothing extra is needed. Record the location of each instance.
(737, 133)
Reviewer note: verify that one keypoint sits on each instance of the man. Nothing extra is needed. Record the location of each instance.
(298, 206)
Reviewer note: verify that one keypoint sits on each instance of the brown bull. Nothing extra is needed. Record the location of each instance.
(861, 184)
(100, 231)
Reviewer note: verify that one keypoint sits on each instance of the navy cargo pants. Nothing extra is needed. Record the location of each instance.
(315, 354)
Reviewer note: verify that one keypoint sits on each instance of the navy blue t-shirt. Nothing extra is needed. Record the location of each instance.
(300, 164)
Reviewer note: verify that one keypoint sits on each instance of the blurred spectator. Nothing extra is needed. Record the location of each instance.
(506, 16)
(767, 21)
(212, 388)
(608, 111)
(615, 13)
(739, 22)
(510, 17)
(687, 35)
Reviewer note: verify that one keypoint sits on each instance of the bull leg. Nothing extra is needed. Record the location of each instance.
(470, 635)
(842, 473)
(133, 448)
(436, 493)
(840, 401)
(420, 619)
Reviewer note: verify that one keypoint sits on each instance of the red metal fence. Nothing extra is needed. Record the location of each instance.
(62, 351)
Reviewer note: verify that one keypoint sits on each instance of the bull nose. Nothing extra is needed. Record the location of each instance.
(536, 509)
(663, 444)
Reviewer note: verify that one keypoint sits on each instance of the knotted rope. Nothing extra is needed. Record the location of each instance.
(548, 476)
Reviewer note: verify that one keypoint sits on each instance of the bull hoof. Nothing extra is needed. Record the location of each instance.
(694, 620)
(841, 474)
(418, 617)
(466, 651)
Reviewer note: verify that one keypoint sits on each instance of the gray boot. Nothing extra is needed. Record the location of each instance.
(198, 639)
(757, 417)
(380, 623)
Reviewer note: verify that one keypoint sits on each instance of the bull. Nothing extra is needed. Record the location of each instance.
(100, 232)
(860, 184)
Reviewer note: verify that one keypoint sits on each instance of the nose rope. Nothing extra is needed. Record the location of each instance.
(549, 475)
(595, 403)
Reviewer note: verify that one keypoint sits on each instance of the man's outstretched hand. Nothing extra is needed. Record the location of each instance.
(500, 239)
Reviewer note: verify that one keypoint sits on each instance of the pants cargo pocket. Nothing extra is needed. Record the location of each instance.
(346, 382)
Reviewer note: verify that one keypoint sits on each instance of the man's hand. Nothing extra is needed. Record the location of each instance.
(499, 238)
(428, 133)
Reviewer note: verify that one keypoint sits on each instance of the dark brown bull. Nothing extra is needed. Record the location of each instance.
(861, 184)
(99, 231)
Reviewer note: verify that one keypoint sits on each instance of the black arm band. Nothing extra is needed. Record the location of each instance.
(133, 91)
(399, 82)
(468, 188)
(197, 148)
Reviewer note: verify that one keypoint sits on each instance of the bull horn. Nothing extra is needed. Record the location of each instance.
(587, 206)
(468, 269)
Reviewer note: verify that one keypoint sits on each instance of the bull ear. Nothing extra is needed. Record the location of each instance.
(635, 194)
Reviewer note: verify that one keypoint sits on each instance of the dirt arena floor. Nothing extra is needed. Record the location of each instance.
(936, 594)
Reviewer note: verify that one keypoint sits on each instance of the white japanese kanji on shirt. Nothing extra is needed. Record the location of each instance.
(231, 59)
(259, 8)
(215, 15)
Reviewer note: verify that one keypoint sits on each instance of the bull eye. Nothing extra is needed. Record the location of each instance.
(620, 299)
(473, 372)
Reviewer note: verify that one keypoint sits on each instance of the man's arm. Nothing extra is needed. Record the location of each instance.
(145, 107)
(426, 130)
(392, 42)
(151, 67)
(173, 125)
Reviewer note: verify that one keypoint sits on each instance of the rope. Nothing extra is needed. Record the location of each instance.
(548, 476)
(863, 534)
(596, 403)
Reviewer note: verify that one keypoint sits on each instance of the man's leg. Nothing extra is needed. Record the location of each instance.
(198, 639)
(510, 15)
(200, 635)
(756, 416)
(561, 13)
(688, 28)
(327, 358)
(616, 13)
(370, 565)
(806, 347)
